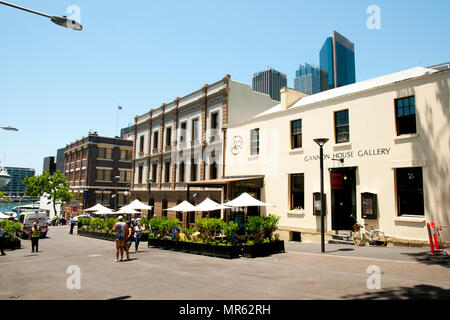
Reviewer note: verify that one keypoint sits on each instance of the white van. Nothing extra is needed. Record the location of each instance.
(28, 218)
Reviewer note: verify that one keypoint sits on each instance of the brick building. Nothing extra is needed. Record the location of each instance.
(99, 167)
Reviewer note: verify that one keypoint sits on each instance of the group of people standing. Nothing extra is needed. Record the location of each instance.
(126, 233)
(58, 220)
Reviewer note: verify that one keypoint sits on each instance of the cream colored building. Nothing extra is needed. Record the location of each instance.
(389, 142)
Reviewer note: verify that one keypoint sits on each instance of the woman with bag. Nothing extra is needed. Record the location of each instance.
(137, 235)
(128, 239)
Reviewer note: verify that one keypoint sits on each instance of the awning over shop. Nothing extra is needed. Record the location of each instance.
(251, 181)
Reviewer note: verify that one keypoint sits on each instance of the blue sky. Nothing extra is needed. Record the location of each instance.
(57, 84)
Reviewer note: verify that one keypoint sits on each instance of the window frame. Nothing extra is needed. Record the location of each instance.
(397, 118)
(415, 196)
(336, 126)
(294, 135)
(291, 192)
(254, 149)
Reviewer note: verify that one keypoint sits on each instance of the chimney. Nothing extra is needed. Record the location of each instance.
(290, 96)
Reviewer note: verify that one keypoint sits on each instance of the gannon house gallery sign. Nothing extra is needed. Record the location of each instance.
(374, 152)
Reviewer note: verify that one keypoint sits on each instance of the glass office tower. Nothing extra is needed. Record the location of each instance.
(337, 62)
(15, 188)
(269, 81)
(307, 79)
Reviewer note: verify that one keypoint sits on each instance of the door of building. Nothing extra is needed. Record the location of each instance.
(343, 198)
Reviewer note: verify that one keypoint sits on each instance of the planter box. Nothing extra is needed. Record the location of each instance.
(154, 243)
(277, 247)
(208, 250)
(262, 249)
(12, 245)
(227, 252)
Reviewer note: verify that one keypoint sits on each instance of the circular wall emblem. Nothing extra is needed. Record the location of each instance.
(236, 144)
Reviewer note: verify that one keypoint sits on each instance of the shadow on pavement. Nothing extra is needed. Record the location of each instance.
(419, 292)
(121, 298)
(340, 250)
(428, 258)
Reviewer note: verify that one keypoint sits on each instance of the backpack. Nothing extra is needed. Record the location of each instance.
(120, 231)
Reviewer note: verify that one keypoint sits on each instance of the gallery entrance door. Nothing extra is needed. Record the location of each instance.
(343, 198)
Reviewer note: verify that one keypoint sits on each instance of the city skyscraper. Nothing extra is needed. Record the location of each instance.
(307, 79)
(337, 62)
(269, 81)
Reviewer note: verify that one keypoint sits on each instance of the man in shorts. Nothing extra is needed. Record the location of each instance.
(119, 229)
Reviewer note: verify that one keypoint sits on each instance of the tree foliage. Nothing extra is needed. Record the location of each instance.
(55, 187)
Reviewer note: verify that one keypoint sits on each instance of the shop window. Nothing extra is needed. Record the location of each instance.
(214, 120)
(182, 132)
(167, 172)
(297, 191)
(405, 115)
(193, 170)
(296, 134)
(154, 171)
(194, 133)
(168, 136)
(140, 174)
(254, 141)
(213, 170)
(155, 140)
(410, 191)
(141, 144)
(181, 172)
(341, 126)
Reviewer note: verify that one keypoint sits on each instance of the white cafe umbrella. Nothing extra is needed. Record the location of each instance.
(127, 209)
(105, 211)
(97, 207)
(183, 207)
(138, 205)
(246, 200)
(209, 205)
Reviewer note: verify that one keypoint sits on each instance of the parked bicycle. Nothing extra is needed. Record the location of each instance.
(361, 234)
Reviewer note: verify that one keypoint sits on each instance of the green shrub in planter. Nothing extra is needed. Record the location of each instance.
(230, 228)
(11, 229)
(188, 232)
(269, 225)
(253, 225)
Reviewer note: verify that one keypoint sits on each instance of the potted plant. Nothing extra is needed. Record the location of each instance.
(11, 231)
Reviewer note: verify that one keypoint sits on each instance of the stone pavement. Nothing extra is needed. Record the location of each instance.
(302, 273)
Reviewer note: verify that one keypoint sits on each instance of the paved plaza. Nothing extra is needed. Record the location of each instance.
(302, 273)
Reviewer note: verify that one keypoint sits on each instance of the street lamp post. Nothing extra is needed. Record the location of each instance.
(61, 21)
(116, 178)
(150, 181)
(321, 142)
(126, 194)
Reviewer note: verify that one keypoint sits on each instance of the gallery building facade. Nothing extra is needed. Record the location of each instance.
(386, 163)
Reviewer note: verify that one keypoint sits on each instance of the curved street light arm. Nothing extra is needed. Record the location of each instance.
(25, 9)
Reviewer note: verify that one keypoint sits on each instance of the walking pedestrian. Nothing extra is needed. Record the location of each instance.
(119, 229)
(34, 235)
(72, 224)
(54, 220)
(2, 240)
(137, 235)
(128, 239)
